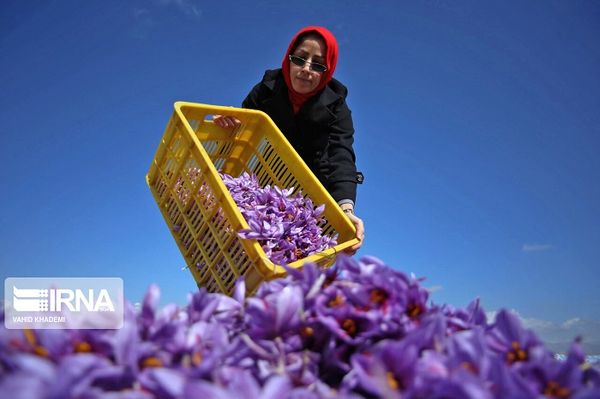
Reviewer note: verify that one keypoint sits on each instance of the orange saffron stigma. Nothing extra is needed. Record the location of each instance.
(378, 296)
(516, 354)
(349, 326)
(414, 310)
(41, 351)
(338, 300)
(31, 340)
(554, 390)
(392, 381)
(307, 331)
(151, 362)
(196, 358)
(30, 337)
(83, 347)
(470, 367)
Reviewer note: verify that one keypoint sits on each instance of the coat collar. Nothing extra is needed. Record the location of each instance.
(317, 107)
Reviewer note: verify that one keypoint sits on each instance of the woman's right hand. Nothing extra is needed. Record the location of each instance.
(226, 122)
(360, 228)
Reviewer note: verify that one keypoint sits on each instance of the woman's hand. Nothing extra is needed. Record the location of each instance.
(360, 229)
(226, 122)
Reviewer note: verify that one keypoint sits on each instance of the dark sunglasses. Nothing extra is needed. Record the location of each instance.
(312, 65)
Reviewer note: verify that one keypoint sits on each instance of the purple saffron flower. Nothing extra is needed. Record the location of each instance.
(353, 328)
(207, 346)
(125, 342)
(467, 350)
(77, 374)
(163, 383)
(557, 379)
(308, 278)
(460, 385)
(201, 306)
(438, 374)
(273, 315)
(465, 319)
(149, 307)
(386, 372)
(236, 383)
(516, 344)
(30, 376)
(124, 394)
(507, 382)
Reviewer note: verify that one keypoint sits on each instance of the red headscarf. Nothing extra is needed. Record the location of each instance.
(331, 55)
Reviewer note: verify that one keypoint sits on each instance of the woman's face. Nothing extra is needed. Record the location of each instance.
(304, 80)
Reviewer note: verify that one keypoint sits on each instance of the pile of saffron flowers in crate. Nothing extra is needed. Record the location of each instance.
(287, 226)
(359, 329)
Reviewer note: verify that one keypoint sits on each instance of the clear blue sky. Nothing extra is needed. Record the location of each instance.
(477, 128)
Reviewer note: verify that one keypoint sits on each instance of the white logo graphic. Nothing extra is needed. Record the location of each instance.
(32, 300)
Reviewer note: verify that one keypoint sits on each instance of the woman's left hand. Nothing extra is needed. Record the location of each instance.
(360, 233)
(226, 122)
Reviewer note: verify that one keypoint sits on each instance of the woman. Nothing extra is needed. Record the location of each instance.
(309, 107)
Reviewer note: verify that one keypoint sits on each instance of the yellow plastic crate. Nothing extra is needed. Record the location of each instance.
(201, 214)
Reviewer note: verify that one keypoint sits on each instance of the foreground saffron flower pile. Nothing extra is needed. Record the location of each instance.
(358, 329)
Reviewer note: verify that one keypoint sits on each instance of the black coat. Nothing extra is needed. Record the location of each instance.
(321, 132)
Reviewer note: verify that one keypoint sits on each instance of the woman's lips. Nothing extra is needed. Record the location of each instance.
(303, 80)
